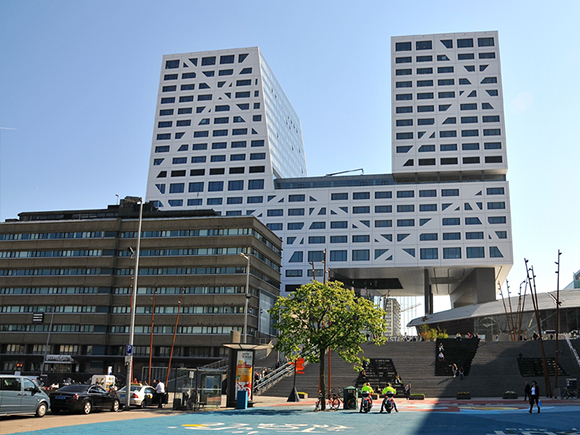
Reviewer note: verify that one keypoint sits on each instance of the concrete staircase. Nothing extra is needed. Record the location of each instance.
(494, 369)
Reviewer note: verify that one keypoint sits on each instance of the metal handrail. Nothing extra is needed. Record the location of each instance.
(572, 349)
(273, 377)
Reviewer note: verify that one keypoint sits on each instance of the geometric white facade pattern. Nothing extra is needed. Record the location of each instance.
(227, 138)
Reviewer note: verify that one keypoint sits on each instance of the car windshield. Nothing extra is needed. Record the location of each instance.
(133, 388)
(74, 388)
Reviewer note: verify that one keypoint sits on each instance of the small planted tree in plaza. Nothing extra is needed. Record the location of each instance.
(318, 317)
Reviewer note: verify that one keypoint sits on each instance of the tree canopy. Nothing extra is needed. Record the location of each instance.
(317, 317)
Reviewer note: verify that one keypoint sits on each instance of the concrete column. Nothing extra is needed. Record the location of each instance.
(428, 294)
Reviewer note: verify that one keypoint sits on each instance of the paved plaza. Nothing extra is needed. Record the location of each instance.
(437, 417)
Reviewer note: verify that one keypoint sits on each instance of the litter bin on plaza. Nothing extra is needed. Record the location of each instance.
(571, 384)
(242, 400)
(349, 398)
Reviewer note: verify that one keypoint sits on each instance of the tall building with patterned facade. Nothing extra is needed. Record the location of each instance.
(227, 138)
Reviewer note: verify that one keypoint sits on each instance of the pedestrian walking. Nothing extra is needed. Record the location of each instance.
(534, 397)
(160, 390)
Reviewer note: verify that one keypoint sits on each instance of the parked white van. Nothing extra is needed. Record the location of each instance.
(20, 395)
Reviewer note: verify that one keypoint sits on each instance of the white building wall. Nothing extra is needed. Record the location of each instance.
(402, 221)
(447, 100)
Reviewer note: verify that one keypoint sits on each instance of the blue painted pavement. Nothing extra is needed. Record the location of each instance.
(424, 419)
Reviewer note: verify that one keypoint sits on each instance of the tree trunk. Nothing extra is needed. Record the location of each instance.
(322, 394)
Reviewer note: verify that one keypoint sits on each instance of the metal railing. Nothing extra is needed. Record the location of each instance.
(572, 349)
(221, 365)
(273, 378)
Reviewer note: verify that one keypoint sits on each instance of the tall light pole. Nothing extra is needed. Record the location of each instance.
(129, 351)
(248, 296)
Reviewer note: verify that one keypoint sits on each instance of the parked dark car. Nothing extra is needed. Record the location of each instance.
(83, 398)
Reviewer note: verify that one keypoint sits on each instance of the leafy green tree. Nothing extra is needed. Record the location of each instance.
(317, 317)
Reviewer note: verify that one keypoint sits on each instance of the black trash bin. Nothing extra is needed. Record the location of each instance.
(571, 383)
(349, 398)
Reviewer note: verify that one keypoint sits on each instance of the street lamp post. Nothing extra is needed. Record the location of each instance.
(129, 351)
(247, 296)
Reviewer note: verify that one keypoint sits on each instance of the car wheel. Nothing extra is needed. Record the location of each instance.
(116, 406)
(142, 404)
(41, 410)
(87, 407)
(55, 410)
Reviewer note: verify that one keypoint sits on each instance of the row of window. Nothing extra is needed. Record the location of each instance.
(447, 43)
(213, 186)
(443, 82)
(118, 329)
(444, 57)
(440, 70)
(365, 238)
(453, 133)
(472, 146)
(365, 255)
(206, 121)
(214, 158)
(208, 61)
(203, 85)
(442, 107)
(200, 109)
(401, 208)
(470, 235)
(39, 349)
(212, 171)
(207, 97)
(214, 146)
(387, 223)
(52, 309)
(206, 73)
(454, 161)
(58, 253)
(202, 290)
(449, 120)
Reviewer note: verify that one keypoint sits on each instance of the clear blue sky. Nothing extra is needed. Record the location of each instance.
(79, 84)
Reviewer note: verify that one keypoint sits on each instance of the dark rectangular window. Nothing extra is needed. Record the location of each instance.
(206, 61)
(445, 69)
(296, 198)
(423, 45)
(406, 194)
(361, 195)
(485, 42)
(361, 255)
(403, 46)
(431, 193)
(465, 43)
(338, 224)
(338, 255)
(425, 108)
(361, 210)
(428, 207)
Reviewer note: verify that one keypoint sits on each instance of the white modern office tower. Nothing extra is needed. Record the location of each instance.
(227, 138)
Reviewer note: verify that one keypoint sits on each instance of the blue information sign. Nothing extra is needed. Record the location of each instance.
(129, 349)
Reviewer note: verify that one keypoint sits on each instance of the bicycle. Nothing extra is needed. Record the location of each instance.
(569, 394)
(334, 402)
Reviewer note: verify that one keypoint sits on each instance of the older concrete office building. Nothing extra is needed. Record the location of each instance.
(66, 278)
(227, 138)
